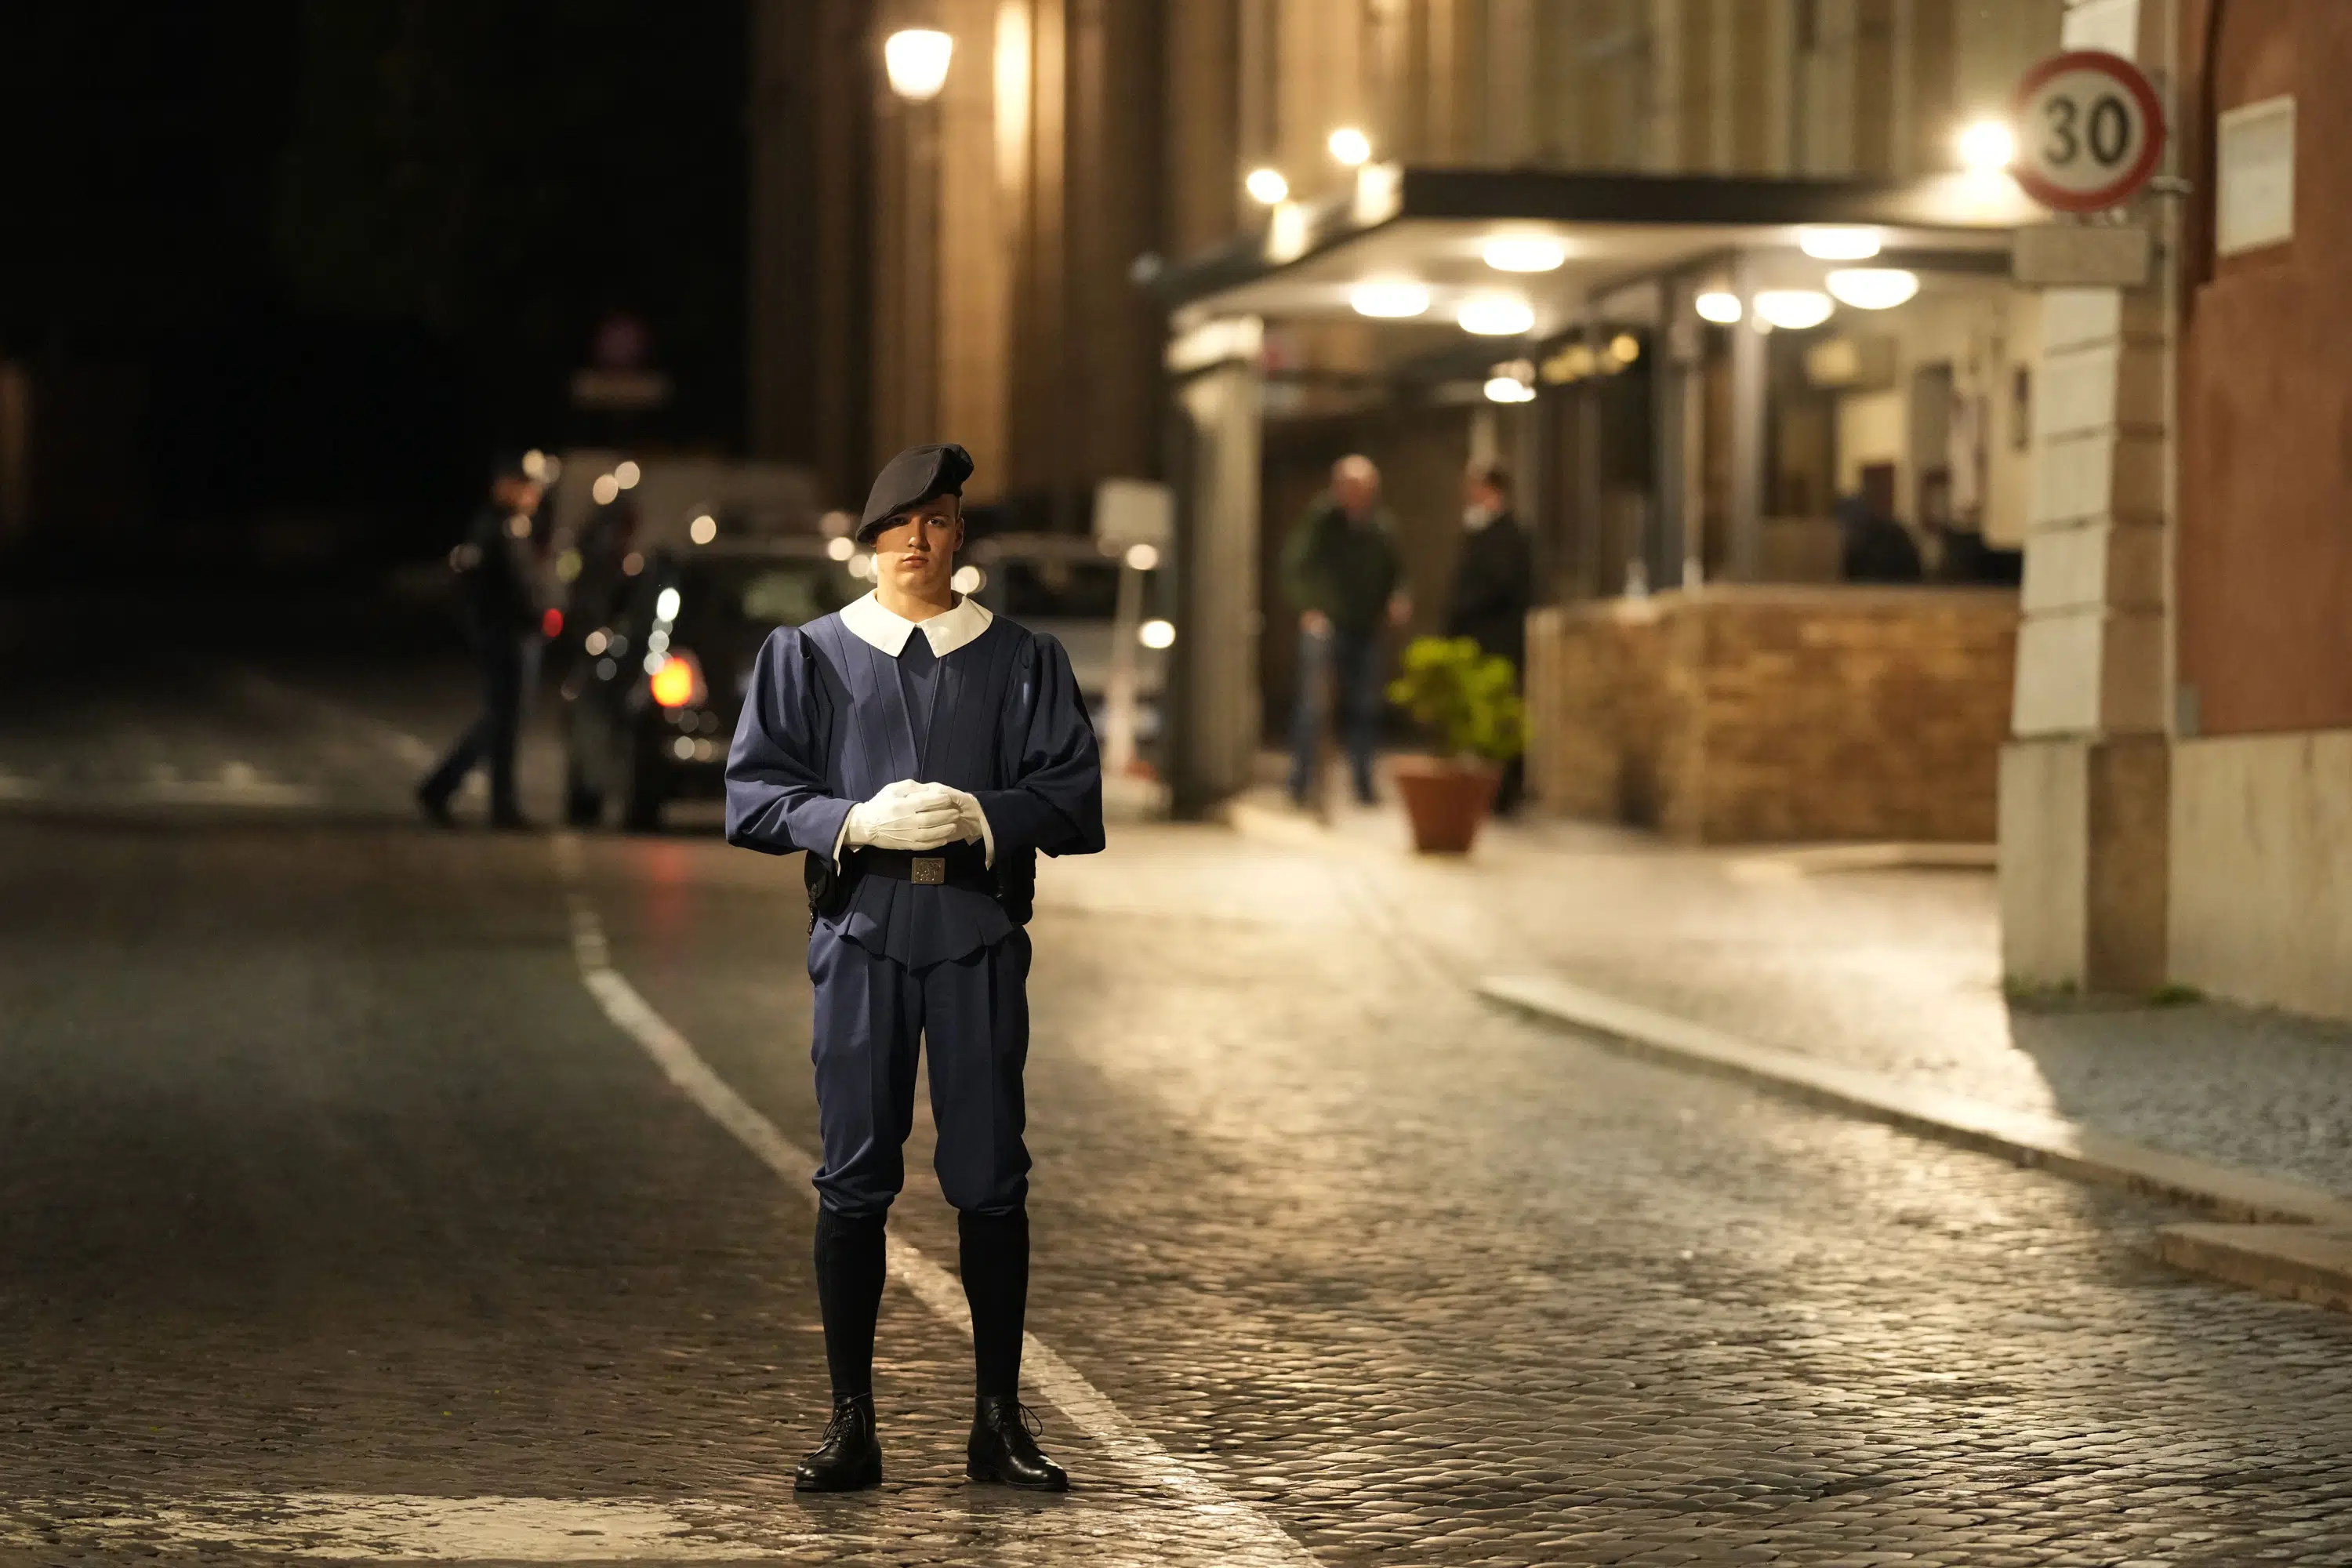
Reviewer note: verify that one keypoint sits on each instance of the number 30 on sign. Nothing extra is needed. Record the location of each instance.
(2089, 131)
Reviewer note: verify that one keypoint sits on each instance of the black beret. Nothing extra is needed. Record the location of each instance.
(910, 479)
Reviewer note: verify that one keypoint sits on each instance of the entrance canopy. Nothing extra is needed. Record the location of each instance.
(1452, 286)
(1432, 229)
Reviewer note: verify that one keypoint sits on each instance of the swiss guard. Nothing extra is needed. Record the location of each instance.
(919, 752)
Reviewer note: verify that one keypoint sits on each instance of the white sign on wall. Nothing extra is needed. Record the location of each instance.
(2253, 202)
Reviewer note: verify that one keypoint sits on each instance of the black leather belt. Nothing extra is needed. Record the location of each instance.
(956, 866)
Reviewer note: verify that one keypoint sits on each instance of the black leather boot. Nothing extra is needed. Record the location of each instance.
(1004, 1447)
(850, 1458)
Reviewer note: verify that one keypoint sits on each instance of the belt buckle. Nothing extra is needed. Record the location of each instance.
(930, 871)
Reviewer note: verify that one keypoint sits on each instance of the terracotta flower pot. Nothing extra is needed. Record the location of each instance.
(1445, 800)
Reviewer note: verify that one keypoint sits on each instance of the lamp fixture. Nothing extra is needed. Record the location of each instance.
(1266, 186)
(1873, 288)
(1988, 145)
(1390, 301)
(1509, 389)
(1721, 307)
(1525, 253)
(1496, 316)
(1351, 147)
(917, 61)
(1794, 310)
(1838, 244)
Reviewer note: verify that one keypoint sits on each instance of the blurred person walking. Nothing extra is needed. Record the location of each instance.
(500, 591)
(919, 753)
(1344, 577)
(1494, 588)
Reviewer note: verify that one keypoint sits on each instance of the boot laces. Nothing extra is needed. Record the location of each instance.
(1024, 1422)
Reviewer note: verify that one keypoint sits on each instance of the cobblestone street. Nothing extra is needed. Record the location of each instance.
(337, 1215)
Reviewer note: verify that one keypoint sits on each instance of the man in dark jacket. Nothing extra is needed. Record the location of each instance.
(498, 578)
(1874, 548)
(1343, 576)
(1493, 584)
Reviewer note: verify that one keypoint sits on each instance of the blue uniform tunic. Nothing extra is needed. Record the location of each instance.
(830, 720)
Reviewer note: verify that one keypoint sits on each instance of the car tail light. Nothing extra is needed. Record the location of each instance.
(678, 683)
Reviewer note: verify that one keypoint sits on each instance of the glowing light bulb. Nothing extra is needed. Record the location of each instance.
(916, 60)
(1833, 243)
(1389, 301)
(1988, 145)
(1525, 253)
(1873, 288)
(1794, 310)
(1496, 316)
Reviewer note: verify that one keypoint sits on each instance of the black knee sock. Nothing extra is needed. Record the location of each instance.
(849, 1268)
(994, 1254)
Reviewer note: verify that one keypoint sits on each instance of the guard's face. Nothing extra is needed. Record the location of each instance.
(916, 554)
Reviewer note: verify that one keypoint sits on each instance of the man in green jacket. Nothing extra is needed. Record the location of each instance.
(1344, 577)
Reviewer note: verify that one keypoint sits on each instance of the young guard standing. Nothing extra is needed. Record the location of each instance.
(919, 752)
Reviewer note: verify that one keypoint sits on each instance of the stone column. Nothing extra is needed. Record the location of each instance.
(2085, 781)
(1216, 468)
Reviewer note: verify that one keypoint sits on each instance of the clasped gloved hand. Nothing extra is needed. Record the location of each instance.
(910, 815)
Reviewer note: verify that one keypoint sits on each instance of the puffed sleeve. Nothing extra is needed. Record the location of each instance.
(776, 799)
(1055, 804)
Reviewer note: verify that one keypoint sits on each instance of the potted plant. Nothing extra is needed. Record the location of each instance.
(1470, 699)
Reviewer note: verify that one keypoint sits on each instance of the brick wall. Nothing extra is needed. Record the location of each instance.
(1754, 714)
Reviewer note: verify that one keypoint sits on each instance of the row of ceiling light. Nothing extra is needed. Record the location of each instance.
(1794, 310)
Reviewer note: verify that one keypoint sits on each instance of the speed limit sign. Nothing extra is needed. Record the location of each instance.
(2089, 131)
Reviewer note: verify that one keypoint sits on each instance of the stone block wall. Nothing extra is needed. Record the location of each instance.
(1593, 685)
(1762, 714)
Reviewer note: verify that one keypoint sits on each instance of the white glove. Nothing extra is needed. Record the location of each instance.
(906, 815)
(972, 822)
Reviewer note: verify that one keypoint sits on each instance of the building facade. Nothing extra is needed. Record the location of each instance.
(1059, 260)
(2177, 805)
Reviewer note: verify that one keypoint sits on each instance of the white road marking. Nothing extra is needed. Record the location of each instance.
(392, 1528)
(1001, 1529)
(1248, 1536)
(162, 786)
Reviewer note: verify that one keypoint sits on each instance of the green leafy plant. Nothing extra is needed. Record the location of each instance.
(1468, 697)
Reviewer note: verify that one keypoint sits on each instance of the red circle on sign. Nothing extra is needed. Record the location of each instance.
(2126, 76)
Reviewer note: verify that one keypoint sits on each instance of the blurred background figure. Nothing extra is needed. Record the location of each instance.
(1494, 587)
(1343, 572)
(1874, 547)
(505, 609)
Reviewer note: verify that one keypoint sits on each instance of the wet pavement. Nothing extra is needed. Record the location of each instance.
(1895, 969)
(338, 1215)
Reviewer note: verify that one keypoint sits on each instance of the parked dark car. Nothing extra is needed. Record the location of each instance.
(652, 705)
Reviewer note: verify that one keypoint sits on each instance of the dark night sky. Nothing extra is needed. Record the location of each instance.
(347, 245)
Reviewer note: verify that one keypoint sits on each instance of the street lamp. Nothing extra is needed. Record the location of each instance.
(916, 59)
(1988, 145)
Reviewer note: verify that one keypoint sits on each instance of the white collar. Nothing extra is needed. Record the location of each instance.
(887, 630)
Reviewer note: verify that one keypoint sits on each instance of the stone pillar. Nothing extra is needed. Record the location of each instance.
(1216, 466)
(2085, 781)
